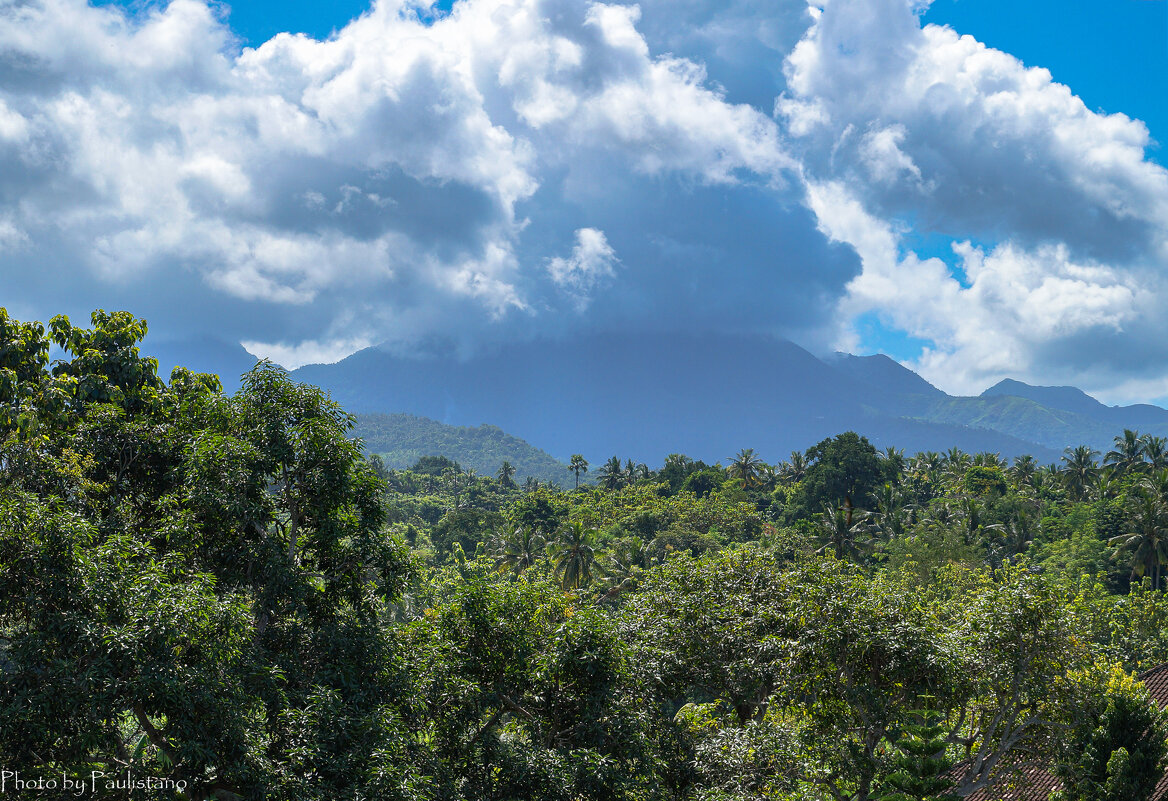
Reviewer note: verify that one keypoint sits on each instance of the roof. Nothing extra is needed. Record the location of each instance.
(1036, 784)
(1156, 680)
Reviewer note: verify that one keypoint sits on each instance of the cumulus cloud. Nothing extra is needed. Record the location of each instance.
(993, 321)
(591, 262)
(907, 131)
(390, 173)
(760, 166)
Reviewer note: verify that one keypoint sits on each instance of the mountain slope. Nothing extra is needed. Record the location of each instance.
(401, 439)
(645, 396)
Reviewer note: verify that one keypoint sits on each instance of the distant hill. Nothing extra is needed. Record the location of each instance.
(643, 396)
(401, 439)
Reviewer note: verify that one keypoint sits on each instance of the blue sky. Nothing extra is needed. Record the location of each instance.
(865, 175)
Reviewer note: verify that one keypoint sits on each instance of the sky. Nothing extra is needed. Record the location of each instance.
(975, 187)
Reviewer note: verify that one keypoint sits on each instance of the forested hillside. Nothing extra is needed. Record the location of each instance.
(401, 439)
(222, 597)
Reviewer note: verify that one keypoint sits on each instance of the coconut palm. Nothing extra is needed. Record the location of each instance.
(795, 469)
(894, 457)
(1156, 451)
(745, 467)
(505, 474)
(578, 465)
(611, 474)
(1023, 470)
(574, 557)
(843, 531)
(519, 550)
(987, 459)
(624, 565)
(891, 516)
(1128, 453)
(1146, 544)
(1080, 470)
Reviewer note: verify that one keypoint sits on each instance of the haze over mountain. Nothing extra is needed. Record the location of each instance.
(707, 395)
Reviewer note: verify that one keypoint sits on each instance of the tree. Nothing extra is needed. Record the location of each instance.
(519, 550)
(1128, 453)
(844, 469)
(506, 473)
(578, 465)
(1117, 747)
(188, 576)
(574, 557)
(611, 474)
(1080, 471)
(1147, 540)
(920, 760)
(842, 533)
(1155, 451)
(746, 467)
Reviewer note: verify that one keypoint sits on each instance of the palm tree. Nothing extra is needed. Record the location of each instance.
(506, 471)
(1128, 453)
(745, 467)
(1156, 451)
(578, 465)
(611, 474)
(957, 460)
(795, 469)
(1080, 470)
(896, 461)
(839, 533)
(624, 565)
(519, 550)
(987, 459)
(1147, 542)
(1023, 469)
(574, 556)
(891, 516)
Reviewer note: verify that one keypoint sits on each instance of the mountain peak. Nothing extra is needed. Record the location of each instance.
(1070, 399)
(882, 374)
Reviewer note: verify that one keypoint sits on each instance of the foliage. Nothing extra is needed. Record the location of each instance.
(1118, 745)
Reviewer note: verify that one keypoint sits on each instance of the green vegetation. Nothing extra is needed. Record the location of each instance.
(226, 594)
(401, 439)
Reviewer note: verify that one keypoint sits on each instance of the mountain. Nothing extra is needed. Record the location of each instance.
(401, 439)
(202, 355)
(647, 395)
(643, 396)
(1110, 419)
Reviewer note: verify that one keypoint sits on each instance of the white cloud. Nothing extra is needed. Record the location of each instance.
(1012, 303)
(909, 130)
(308, 352)
(405, 179)
(591, 262)
(383, 168)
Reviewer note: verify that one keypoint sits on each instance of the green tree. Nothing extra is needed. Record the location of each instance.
(1146, 541)
(193, 585)
(1080, 470)
(506, 474)
(1128, 454)
(519, 550)
(578, 465)
(746, 468)
(574, 557)
(920, 760)
(1118, 746)
(611, 474)
(844, 470)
